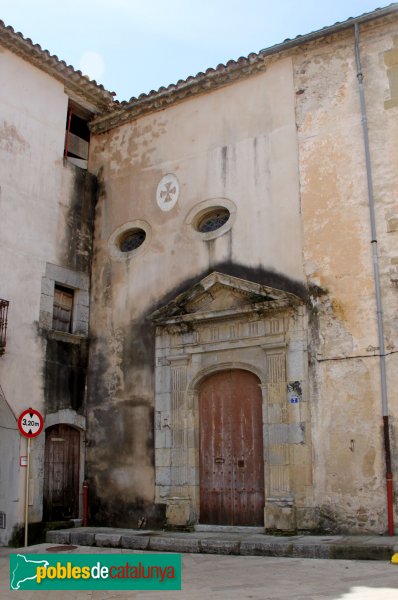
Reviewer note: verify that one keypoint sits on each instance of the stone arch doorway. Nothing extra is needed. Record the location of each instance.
(61, 473)
(231, 463)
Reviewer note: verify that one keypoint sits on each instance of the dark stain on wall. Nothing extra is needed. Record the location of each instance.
(120, 513)
(98, 365)
(65, 367)
(80, 222)
(258, 275)
(121, 421)
(255, 161)
(65, 375)
(224, 164)
(120, 424)
(138, 346)
(121, 430)
(121, 443)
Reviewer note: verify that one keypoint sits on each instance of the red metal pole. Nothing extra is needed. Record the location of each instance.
(390, 512)
(390, 498)
(85, 497)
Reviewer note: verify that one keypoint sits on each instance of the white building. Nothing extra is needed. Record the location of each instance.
(47, 206)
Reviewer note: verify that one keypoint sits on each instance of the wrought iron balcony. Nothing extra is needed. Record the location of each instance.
(3, 324)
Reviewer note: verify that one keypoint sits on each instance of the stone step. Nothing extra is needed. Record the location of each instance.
(226, 542)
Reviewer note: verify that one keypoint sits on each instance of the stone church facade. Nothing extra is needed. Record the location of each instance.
(229, 370)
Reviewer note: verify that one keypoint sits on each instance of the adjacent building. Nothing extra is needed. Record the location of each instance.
(46, 224)
(201, 287)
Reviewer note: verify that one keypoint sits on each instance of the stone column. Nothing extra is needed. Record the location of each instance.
(279, 512)
(179, 511)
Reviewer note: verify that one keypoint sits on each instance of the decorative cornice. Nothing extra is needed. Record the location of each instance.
(260, 308)
(259, 298)
(97, 98)
(221, 76)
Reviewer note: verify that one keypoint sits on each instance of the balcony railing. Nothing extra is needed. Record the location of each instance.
(3, 324)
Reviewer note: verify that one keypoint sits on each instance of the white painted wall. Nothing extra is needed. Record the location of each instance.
(34, 198)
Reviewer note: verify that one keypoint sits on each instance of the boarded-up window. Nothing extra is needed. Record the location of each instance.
(63, 306)
(77, 137)
(3, 323)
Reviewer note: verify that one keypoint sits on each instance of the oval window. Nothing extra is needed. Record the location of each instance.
(131, 239)
(213, 220)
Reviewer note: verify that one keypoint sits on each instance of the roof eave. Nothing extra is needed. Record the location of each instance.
(95, 97)
(221, 76)
(330, 29)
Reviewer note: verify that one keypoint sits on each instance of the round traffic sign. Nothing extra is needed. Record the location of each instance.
(30, 423)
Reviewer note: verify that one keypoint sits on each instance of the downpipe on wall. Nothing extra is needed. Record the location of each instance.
(376, 273)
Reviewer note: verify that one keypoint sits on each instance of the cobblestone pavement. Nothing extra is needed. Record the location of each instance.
(240, 577)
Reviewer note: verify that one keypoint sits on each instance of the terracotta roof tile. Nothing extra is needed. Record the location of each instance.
(113, 112)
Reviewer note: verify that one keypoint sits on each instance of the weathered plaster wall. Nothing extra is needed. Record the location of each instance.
(42, 221)
(286, 148)
(349, 462)
(237, 143)
(383, 132)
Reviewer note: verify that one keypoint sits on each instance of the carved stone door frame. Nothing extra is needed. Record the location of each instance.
(267, 338)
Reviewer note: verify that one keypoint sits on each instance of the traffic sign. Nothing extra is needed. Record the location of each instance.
(30, 423)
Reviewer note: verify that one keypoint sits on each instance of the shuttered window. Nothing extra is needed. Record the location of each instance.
(63, 306)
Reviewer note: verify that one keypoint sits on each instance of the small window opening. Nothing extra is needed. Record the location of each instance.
(77, 138)
(3, 324)
(213, 220)
(63, 308)
(132, 239)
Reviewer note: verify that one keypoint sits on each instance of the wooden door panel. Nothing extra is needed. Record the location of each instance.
(61, 473)
(231, 449)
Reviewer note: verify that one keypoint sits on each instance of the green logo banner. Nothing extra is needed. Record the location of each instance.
(95, 572)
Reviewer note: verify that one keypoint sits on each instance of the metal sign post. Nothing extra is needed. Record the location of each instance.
(27, 495)
(30, 425)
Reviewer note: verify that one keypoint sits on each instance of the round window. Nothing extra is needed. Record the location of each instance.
(213, 220)
(131, 239)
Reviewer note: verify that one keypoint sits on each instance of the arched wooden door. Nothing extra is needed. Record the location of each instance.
(231, 449)
(61, 473)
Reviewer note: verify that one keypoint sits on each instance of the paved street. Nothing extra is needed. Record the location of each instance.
(242, 577)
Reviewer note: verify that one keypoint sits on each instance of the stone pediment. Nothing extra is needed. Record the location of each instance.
(219, 295)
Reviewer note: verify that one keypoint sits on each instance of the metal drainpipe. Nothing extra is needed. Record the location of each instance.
(384, 401)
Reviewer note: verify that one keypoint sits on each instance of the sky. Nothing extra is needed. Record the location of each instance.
(135, 46)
